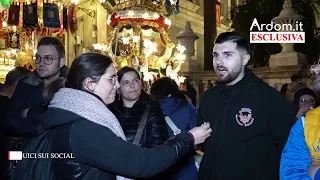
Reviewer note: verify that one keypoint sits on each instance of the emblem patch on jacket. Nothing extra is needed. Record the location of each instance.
(244, 118)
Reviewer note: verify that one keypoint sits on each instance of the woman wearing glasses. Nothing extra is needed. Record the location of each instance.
(304, 100)
(83, 125)
(130, 106)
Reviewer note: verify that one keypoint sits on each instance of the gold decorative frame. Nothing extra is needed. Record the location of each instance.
(153, 60)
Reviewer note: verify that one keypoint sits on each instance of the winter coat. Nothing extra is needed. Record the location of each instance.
(96, 146)
(251, 122)
(28, 94)
(155, 132)
(184, 115)
(296, 155)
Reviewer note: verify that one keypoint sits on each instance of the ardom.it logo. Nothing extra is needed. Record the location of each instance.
(285, 33)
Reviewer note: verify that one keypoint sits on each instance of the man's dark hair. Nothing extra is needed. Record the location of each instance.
(56, 43)
(295, 78)
(15, 75)
(239, 39)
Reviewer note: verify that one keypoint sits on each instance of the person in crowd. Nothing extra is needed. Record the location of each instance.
(187, 97)
(12, 79)
(283, 90)
(130, 107)
(26, 104)
(183, 114)
(304, 100)
(301, 155)
(251, 121)
(189, 90)
(82, 124)
(295, 85)
(6, 92)
(7, 89)
(295, 78)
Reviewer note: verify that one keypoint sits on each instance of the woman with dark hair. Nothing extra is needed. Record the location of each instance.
(82, 124)
(304, 100)
(182, 114)
(130, 106)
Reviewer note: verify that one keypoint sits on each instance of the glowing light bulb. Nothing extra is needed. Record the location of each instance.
(146, 15)
(125, 40)
(75, 1)
(156, 16)
(135, 39)
(173, 2)
(130, 13)
(109, 20)
(8, 53)
(150, 47)
(180, 48)
(167, 21)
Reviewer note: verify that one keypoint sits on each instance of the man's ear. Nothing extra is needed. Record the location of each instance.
(246, 59)
(89, 84)
(62, 62)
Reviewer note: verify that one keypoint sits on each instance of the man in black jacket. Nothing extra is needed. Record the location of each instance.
(6, 91)
(250, 120)
(26, 106)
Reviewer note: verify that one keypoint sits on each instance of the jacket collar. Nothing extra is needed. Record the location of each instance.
(243, 85)
(33, 79)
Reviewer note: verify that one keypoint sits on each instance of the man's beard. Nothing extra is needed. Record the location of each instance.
(229, 77)
(54, 75)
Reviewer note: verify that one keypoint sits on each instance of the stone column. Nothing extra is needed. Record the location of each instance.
(187, 39)
(210, 31)
(288, 56)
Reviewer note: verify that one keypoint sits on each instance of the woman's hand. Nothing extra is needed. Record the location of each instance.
(200, 134)
(303, 111)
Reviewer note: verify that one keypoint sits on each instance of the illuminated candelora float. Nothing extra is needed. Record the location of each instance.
(139, 36)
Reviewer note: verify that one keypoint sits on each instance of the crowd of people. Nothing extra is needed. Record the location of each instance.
(244, 128)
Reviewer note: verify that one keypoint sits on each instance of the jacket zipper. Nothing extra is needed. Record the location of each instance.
(223, 126)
